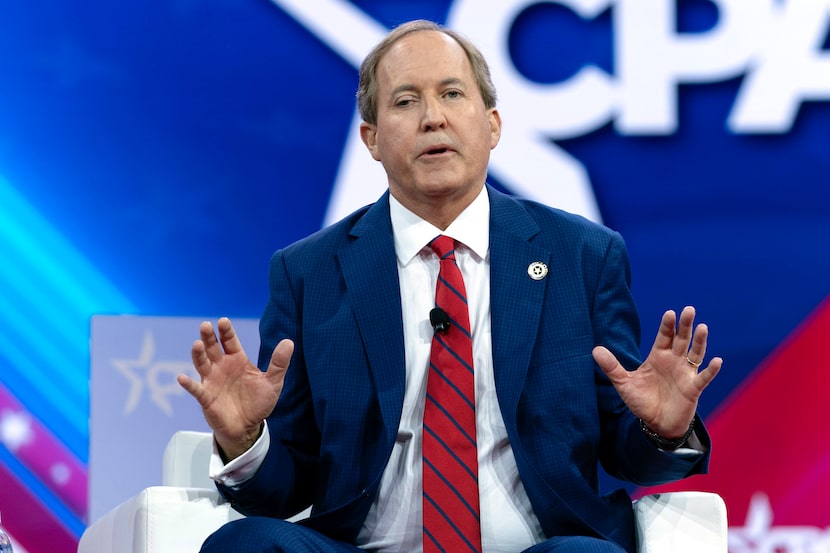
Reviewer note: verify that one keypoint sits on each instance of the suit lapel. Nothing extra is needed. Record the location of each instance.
(516, 298)
(371, 274)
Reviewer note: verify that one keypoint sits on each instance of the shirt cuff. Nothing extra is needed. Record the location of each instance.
(243, 467)
(691, 449)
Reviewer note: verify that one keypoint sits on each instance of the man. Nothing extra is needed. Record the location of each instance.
(336, 418)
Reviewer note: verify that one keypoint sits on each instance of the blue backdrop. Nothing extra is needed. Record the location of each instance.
(154, 154)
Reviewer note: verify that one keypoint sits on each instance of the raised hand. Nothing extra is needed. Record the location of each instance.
(665, 389)
(234, 394)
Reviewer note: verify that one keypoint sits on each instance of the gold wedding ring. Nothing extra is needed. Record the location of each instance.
(692, 363)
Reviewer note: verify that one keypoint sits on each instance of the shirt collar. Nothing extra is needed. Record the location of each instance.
(412, 234)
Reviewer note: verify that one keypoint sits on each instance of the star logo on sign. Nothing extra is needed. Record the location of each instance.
(758, 534)
(159, 377)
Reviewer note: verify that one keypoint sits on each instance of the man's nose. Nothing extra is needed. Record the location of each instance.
(433, 116)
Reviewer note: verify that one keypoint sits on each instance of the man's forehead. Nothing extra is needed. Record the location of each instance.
(424, 35)
(424, 44)
(423, 56)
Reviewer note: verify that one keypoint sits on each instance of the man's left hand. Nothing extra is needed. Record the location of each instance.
(665, 389)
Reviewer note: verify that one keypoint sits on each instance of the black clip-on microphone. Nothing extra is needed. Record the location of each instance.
(439, 320)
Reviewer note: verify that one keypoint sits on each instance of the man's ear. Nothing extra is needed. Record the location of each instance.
(369, 136)
(495, 127)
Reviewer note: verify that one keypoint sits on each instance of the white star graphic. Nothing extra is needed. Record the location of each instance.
(528, 161)
(759, 535)
(160, 389)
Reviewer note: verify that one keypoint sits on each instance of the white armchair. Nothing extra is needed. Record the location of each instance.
(174, 517)
(177, 516)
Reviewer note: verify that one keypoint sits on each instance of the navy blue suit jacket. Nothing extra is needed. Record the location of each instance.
(336, 294)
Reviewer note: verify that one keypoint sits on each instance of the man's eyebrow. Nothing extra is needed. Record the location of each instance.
(450, 81)
(404, 88)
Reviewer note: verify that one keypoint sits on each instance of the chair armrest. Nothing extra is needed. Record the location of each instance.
(186, 460)
(681, 522)
(160, 519)
(165, 519)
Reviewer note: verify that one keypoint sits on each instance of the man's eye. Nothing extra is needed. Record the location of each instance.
(453, 94)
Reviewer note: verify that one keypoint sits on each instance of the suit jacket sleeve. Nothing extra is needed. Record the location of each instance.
(626, 452)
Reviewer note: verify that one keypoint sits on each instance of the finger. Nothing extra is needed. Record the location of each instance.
(607, 361)
(680, 346)
(228, 337)
(665, 334)
(212, 346)
(200, 359)
(697, 352)
(705, 377)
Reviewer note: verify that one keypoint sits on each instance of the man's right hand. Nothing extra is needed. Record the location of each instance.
(235, 396)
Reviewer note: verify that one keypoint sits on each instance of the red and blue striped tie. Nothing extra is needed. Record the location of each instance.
(450, 463)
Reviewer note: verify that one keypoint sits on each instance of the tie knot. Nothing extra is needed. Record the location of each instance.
(443, 245)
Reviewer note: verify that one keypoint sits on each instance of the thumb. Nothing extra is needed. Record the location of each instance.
(191, 386)
(281, 357)
(607, 361)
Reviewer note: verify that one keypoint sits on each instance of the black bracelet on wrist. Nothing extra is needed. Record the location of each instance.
(665, 443)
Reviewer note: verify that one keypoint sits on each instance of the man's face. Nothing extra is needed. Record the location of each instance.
(433, 134)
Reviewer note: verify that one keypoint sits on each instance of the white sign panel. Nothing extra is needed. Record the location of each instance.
(136, 403)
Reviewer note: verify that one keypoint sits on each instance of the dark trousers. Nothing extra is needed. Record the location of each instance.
(269, 535)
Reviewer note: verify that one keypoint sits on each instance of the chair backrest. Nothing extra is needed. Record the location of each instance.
(187, 459)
